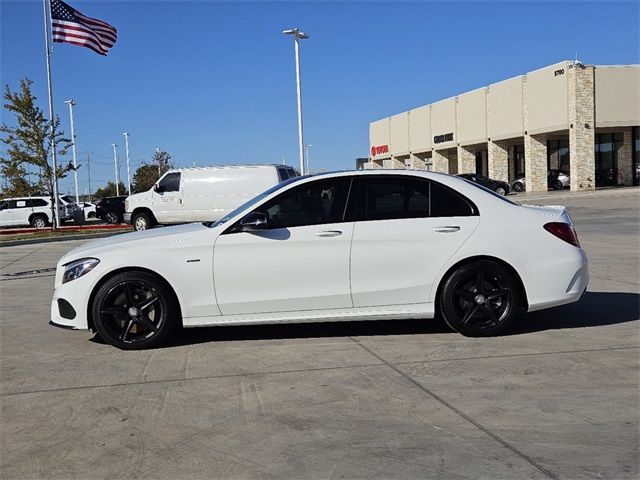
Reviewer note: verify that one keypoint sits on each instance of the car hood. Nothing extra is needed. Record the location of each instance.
(137, 240)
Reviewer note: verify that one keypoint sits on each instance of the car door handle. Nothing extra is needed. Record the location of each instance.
(446, 229)
(328, 233)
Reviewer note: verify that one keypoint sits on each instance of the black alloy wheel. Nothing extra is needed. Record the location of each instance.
(111, 217)
(134, 310)
(479, 299)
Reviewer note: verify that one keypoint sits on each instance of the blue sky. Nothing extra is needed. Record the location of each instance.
(214, 82)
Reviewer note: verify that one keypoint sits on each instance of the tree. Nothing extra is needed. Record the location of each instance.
(144, 178)
(29, 144)
(109, 190)
(147, 174)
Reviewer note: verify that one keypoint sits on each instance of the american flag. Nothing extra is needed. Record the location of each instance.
(71, 26)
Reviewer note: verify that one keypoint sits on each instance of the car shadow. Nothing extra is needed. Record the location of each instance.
(594, 309)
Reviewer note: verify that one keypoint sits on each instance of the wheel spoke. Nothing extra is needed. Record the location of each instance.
(469, 314)
(488, 311)
(148, 302)
(128, 294)
(501, 292)
(466, 294)
(125, 332)
(480, 281)
(113, 310)
(146, 322)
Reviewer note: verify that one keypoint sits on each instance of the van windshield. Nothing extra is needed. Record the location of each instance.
(248, 204)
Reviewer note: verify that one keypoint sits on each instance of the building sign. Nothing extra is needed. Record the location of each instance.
(447, 137)
(379, 150)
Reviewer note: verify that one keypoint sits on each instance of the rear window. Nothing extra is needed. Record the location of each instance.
(447, 203)
(284, 174)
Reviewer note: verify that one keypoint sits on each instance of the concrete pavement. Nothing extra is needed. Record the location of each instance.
(558, 398)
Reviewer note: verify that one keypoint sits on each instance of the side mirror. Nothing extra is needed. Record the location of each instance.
(253, 221)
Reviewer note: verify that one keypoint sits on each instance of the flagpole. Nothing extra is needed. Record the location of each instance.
(56, 200)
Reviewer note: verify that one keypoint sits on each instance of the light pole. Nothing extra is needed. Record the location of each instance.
(71, 103)
(115, 164)
(126, 146)
(297, 36)
(306, 154)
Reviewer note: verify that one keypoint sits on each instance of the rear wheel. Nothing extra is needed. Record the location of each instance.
(501, 191)
(134, 310)
(39, 221)
(518, 187)
(111, 217)
(479, 299)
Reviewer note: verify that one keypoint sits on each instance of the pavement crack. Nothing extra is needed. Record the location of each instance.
(478, 425)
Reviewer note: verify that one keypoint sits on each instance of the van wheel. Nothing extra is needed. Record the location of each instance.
(479, 299)
(39, 221)
(141, 221)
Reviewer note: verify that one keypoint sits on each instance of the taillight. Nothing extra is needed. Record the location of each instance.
(563, 231)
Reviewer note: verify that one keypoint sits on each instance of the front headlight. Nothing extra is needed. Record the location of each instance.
(78, 268)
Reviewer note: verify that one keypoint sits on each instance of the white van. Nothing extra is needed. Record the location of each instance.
(201, 194)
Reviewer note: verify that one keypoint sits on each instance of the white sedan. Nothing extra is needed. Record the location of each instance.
(373, 244)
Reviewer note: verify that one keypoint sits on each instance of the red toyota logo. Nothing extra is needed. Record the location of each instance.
(373, 151)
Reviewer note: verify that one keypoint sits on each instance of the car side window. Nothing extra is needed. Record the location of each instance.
(38, 202)
(4, 205)
(312, 203)
(445, 202)
(170, 182)
(283, 173)
(391, 197)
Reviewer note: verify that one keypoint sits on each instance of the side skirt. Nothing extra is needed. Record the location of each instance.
(387, 312)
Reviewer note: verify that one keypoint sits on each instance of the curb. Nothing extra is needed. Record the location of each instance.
(13, 243)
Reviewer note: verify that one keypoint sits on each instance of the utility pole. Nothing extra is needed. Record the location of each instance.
(158, 159)
(126, 143)
(306, 154)
(71, 103)
(115, 164)
(89, 173)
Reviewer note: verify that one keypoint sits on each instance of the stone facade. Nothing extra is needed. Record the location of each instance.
(393, 162)
(535, 166)
(625, 158)
(581, 127)
(498, 161)
(440, 162)
(418, 163)
(466, 160)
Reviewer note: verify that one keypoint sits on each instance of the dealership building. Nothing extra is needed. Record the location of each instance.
(580, 118)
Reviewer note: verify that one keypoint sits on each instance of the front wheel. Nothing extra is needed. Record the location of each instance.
(479, 299)
(141, 221)
(501, 191)
(518, 187)
(39, 221)
(134, 310)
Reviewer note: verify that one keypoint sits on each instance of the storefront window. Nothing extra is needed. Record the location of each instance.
(558, 155)
(482, 167)
(607, 150)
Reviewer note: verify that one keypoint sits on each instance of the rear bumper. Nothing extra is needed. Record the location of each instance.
(556, 279)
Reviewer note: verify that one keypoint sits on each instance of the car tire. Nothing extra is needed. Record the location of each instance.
(479, 299)
(518, 187)
(141, 221)
(91, 215)
(111, 218)
(558, 185)
(500, 190)
(39, 221)
(134, 310)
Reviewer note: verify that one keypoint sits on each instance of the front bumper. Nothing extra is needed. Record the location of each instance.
(127, 218)
(70, 302)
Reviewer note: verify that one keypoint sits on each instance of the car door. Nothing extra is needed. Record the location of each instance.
(406, 228)
(167, 199)
(300, 261)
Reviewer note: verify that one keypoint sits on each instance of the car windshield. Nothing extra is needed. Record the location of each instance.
(246, 205)
(481, 187)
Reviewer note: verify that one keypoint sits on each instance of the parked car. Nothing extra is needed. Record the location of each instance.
(556, 179)
(357, 245)
(28, 211)
(111, 209)
(89, 209)
(498, 186)
(201, 194)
